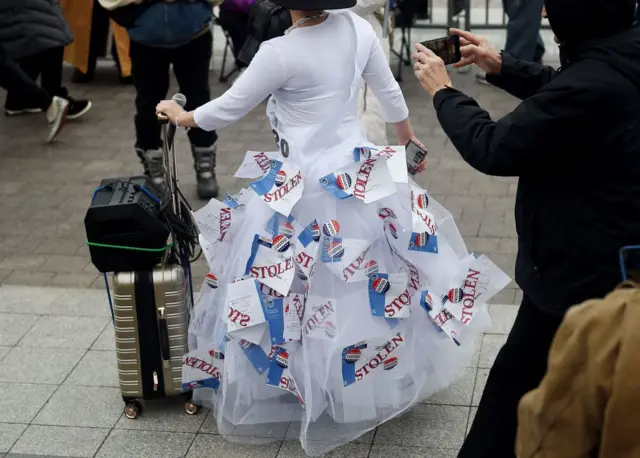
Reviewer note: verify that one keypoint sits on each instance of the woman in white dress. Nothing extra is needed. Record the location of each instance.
(340, 293)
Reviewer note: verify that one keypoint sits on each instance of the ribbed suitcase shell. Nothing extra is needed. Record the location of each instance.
(172, 302)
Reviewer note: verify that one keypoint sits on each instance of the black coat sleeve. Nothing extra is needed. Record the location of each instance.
(526, 140)
(521, 79)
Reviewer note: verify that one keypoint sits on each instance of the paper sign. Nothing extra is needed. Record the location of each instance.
(396, 160)
(284, 322)
(424, 234)
(256, 355)
(319, 318)
(256, 163)
(214, 220)
(306, 259)
(389, 296)
(245, 309)
(369, 180)
(202, 368)
(476, 284)
(280, 376)
(338, 253)
(281, 188)
(274, 269)
(440, 316)
(368, 359)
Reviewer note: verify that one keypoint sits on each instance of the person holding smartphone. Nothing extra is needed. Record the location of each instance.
(574, 144)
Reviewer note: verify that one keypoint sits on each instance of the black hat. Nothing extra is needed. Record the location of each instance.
(574, 21)
(315, 5)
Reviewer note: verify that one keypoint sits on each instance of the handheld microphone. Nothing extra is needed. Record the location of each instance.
(181, 100)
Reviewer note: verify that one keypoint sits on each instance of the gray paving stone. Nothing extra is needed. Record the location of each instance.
(502, 318)
(292, 449)
(460, 392)
(472, 417)
(165, 415)
(106, 340)
(96, 407)
(426, 426)
(212, 446)
(386, 451)
(20, 402)
(491, 345)
(145, 444)
(64, 332)
(267, 430)
(96, 368)
(4, 351)
(39, 365)
(27, 299)
(14, 326)
(481, 381)
(9, 434)
(60, 441)
(81, 302)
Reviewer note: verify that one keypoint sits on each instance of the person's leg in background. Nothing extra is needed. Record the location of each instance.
(14, 79)
(150, 71)
(191, 67)
(97, 43)
(518, 369)
(523, 31)
(49, 64)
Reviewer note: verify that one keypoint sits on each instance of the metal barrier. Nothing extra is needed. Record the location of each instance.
(461, 14)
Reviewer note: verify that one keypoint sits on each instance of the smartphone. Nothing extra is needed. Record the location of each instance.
(415, 155)
(447, 48)
(630, 263)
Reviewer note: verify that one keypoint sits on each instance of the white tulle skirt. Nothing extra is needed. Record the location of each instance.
(383, 320)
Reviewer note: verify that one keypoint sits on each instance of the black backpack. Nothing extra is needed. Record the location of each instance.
(266, 21)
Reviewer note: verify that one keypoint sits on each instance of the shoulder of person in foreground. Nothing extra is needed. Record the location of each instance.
(588, 400)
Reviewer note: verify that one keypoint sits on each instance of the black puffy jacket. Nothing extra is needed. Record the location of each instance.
(574, 143)
(29, 27)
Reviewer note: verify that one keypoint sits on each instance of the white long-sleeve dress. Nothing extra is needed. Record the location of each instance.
(340, 293)
(370, 111)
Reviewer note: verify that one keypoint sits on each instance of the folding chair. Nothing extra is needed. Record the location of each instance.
(403, 21)
(228, 47)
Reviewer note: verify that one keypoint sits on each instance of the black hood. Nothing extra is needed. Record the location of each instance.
(620, 51)
(573, 21)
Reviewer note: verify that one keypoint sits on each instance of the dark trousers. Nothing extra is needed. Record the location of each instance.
(236, 24)
(48, 67)
(16, 81)
(523, 30)
(150, 71)
(99, 36)
(518, 369)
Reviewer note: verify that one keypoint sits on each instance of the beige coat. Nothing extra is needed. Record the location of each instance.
(588, 404)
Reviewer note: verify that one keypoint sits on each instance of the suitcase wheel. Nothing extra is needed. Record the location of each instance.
(191, 407)
(132, 409)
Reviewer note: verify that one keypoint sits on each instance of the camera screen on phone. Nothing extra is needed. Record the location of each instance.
(630, 257)
(445, 48)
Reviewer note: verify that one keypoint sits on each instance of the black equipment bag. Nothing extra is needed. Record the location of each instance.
(266, 21)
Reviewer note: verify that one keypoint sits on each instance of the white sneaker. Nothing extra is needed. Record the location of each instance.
(56, 115)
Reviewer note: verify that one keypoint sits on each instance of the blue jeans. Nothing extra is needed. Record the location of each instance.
(523, 31)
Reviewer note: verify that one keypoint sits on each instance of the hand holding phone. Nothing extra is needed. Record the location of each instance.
(447, 48)
(416, 157)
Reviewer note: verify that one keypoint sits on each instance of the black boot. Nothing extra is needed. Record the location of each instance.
(152, 162)
(204, 162)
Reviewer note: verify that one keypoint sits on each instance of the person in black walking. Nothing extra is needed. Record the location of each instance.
(15, 80)
(34, 33)
(574, 143)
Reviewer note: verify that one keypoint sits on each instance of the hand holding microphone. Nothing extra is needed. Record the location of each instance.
(171, 109)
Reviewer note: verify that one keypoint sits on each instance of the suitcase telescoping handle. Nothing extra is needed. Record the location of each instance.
(164, 335)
